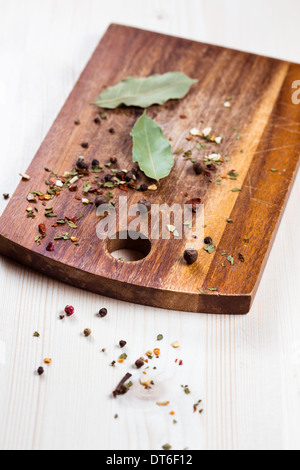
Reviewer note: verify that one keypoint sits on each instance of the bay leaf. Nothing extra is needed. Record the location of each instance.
(151, 149)
(144, 92)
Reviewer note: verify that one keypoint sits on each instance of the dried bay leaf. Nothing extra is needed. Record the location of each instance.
(144, 92)
(151, 149)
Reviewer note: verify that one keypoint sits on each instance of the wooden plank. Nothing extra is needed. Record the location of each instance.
(262, 114)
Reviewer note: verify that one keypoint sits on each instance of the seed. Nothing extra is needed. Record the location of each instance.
(100, 200)
(103, 312)
(144, 203)
(122, 343)
(198, 168)
(97, 120)
(85, 145)
(87, 332)
(156, 351)
(77, 122)
(139, 363)
(144, 187)
(95, 162)
(47, 361)
(208, 240)
(6, 196)
(69, 310)
(175, 345)
(129, 176)
(113, 160)
(40, 370)
(111, 130)
(191, 256)
(50, 246)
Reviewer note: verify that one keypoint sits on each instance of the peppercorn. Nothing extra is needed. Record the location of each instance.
(40, 370)
(6, 196)
(73, 187)
(85, 145)
(95, 162)
(208, 240)
(191, 256)
(113, 160)
(81, 165)
(144, 187)
(122, 343)
(103, 312)
(108, 178)
(139, 363)
(241, 257)
(198, 168)
(129, 176)
(144, 203)
(50, 247)
(111, 130)
(120, 174)
(77, 122)
(97, 120)
(69, 310)
(87, 332)
(100, 200)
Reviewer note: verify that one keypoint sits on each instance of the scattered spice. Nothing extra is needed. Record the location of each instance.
(69, 310)
(139, 363)
(190, 256)
(156, 351)
(102, 312)
(47, 361)
(87, 332)
(162, 403)
(40, 370)
(186, 389)
(25, 177)
(6, 196)
(122, 387)
(122, 343)
(175, 345)
(145, 204)
(50, 247)
(166, 447)
(160, 337)
(77, 122)
(36, 334)
(241, 258)
(85, 145)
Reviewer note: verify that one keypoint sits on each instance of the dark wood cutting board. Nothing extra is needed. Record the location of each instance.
(261, 134)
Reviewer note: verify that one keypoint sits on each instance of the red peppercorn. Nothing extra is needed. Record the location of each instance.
(50, 247)
(69, 310)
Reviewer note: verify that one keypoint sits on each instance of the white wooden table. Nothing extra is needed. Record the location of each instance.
(245, 369)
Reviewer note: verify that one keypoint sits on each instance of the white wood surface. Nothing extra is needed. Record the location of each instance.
(245, 369)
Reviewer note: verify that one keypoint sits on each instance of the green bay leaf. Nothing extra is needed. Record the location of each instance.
(151, 149)
(144, 92)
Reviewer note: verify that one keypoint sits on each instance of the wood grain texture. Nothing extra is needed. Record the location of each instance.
(245, 368)
(260, 132)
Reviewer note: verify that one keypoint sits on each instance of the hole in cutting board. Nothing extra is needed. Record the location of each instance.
(129, 246)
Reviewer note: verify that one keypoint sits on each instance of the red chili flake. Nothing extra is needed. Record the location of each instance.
(189, 138)
(176, 360)
(69, 310)
(181, 362)
(78, 198)
(183, 116)
(50, 246)
(123, 187)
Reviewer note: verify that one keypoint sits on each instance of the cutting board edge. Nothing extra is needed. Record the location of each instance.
(228, 304)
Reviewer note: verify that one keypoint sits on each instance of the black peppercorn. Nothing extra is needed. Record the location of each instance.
(85, 145)
(113, 160)
(100, 200)
(144, 187)
(77, 122)
(81, 165)
(198, 168)
(103, 312)
(191, 256)
(241, 258)
(40, 370)
(122, 343)
(139, 363)
(129, 176)
(6, 196)
(108, 178)
(95, 162)
(208, 240)
(97, 120)
(144, 203)
(111, 130)
(119, 175)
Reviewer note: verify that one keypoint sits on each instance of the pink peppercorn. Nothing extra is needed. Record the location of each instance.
(69, 310)
(50, 247)
(180, 363)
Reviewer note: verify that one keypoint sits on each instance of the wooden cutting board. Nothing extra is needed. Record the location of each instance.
(261, 133)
